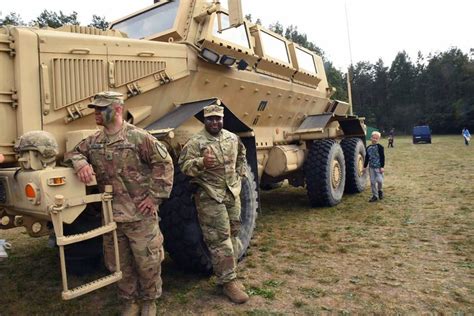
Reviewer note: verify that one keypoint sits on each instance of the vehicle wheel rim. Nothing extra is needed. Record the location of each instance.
(360, 165)
(336, 174)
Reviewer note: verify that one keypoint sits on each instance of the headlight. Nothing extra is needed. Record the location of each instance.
(227, 60)
(210, 55)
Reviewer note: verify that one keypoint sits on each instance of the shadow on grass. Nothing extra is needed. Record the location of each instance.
(31, 284)
(284, 199)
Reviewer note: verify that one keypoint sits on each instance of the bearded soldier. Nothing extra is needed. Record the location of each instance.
(141, 172)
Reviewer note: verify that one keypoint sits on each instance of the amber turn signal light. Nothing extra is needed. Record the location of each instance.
(30, 191)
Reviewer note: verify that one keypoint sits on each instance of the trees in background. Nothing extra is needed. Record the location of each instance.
(46, 18)
(55, 20)
(99, 22)
(336, 79)
(11, 19)
(437, 90)
(449, 90)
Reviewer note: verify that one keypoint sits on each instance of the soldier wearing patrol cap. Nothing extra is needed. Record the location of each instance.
(141, 172)
(215, 159)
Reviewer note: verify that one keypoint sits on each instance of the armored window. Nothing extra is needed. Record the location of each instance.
(154, 21)
(236, 35)
(305, 61)
(274, 47)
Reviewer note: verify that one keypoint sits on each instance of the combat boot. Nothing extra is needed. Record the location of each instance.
(240, 285)
(130, 308)
(234, 291)
(148, 308)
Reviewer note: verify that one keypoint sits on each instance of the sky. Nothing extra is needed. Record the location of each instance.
(377, 28)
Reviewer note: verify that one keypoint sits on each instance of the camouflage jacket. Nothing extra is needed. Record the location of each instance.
(134, 163)
(231, 163)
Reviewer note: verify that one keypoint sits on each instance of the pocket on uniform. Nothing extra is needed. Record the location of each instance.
(97, 160)
(153, 249)
(211, 236)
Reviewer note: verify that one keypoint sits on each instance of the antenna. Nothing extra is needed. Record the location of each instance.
(349, 70)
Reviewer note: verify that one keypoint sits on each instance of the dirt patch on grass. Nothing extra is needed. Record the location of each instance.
(410, 253)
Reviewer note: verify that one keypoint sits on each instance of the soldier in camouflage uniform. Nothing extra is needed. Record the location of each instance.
(141, 172)
(215, 159)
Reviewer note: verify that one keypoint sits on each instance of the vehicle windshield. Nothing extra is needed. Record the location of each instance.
(306, 61)
(274, 47)
(153, 21)
(237, 35)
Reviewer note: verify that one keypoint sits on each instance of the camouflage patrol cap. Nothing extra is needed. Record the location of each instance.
(40, 141)
(214, 110)
(106, 98)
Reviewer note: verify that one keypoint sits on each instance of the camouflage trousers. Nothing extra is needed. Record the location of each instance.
(220, 225)
(140, 249)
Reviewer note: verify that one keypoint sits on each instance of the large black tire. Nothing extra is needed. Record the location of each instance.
(354, 155)
(180, 227)
(325, 173)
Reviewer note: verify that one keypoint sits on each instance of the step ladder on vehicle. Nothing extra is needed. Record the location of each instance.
(109, 226)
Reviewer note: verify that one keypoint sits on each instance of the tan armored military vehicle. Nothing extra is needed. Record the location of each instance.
(170, 60)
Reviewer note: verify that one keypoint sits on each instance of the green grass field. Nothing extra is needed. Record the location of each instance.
(411, 253)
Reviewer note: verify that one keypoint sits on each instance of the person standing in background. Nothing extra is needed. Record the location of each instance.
(466, 135)
(391, 138)
(375, 160)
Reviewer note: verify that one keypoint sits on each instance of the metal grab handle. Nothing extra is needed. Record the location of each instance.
(82, 51)
(146, 54)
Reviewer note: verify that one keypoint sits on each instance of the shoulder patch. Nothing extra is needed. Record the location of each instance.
(161, 149)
